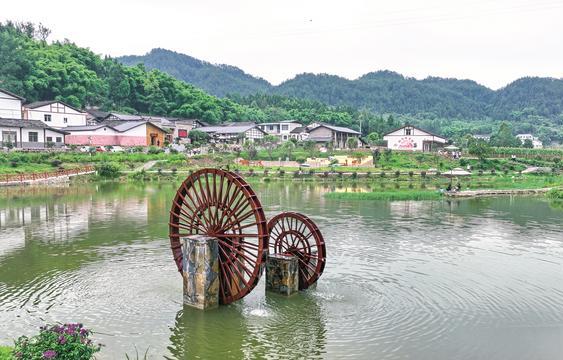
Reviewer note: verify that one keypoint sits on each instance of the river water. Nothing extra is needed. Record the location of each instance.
(464, 279)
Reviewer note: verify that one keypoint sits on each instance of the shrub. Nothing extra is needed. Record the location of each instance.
(423, 174)
(282, 172)
(354, 175)
(397, 173)
(56, 163)
(326, 173)
(493, 172)
(174, 170)
(382, 174)
(173, 151)
(154, 150)
(301, 159)
(311, 172)
(411, 174)
(66, 342)
(108, 170)
(555, 194)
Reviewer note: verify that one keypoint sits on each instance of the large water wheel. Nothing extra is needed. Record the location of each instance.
(295, 234)
(221, 204)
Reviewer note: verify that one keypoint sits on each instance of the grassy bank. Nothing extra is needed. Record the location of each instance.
(5, 353)
(386, 195)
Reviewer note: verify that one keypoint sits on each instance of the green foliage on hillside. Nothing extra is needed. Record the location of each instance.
(450, 107)
(39, 71)
(219, 80)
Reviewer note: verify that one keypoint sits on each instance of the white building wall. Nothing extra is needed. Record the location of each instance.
(10, 107)
(58, 113)
(400, 140)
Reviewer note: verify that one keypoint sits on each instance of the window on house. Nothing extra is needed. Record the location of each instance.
(47, 117)
(32, 136)
(285, 137)
(49, 139)
(271, 127)
(59, 139)
(408, 131)
(285, 127)
(65, 120)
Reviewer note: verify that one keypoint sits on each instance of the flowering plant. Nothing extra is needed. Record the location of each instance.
(57, 342)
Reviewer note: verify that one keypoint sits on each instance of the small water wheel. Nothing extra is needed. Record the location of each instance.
(295, 234)
(221, 204)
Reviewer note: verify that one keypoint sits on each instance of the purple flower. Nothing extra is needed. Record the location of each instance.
(62, 340)
(49, 354)
(83, 332)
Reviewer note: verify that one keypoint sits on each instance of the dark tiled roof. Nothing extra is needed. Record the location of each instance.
(298, 130)
(337, 129)
(12, 94)
(27, 124)
(37, 104)
(414, 127)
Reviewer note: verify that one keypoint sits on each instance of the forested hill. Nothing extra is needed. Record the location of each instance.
(218, 80)
(380, 92)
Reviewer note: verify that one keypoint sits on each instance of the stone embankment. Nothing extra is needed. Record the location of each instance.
(473, 193)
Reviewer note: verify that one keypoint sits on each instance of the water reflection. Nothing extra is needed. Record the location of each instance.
(274, 327)
(477, 278)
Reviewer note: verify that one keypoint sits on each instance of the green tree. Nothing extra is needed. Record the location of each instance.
(373, 138)
(479, 148)
(528, 144)
(288, 148)
(270, 142)
(198, 137)
(504, 137)
(352, 143)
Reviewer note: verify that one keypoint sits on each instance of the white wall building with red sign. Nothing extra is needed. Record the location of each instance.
(410, 138)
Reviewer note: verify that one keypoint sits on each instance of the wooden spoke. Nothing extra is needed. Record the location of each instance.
(221, 204)
(295, 234)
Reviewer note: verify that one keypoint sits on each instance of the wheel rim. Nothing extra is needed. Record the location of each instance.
(221, 204)
(295, 234)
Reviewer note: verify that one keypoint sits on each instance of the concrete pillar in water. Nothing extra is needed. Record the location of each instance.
(282, 274)
(201, 271)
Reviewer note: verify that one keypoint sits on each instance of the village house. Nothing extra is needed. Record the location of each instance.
(483, 137)
(30, 134)
(336, 136)
(299, 133)
(537, 143)
(54, 113)
(281, 129)
(117, 133)
(411, 138)
(10, 105)
(234, 133)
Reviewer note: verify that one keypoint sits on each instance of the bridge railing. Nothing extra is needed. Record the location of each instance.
(10, 178)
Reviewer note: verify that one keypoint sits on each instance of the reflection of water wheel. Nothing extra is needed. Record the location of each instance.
(296, 234)
(221, 204)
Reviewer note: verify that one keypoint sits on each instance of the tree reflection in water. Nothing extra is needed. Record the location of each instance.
(279, 328)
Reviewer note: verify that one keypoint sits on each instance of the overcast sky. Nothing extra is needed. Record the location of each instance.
(491, 41)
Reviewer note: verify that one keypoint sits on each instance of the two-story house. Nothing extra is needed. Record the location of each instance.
(281, 129)
(54, 113)
(10, 105)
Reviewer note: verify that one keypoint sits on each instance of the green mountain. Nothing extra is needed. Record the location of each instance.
(219, 80)
(380, 92)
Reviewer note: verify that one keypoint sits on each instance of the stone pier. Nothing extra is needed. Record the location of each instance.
(201, 271)
(282, 274)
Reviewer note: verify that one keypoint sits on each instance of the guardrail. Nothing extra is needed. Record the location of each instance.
(14, 178)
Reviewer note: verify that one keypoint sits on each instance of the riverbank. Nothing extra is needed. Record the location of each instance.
(496, 192)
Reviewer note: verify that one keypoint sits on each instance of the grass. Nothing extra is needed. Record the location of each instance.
(386, 195)
(555, 194)
(5, 353)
